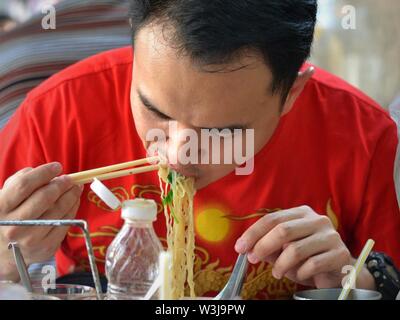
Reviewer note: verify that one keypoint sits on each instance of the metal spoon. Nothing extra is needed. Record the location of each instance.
(21, 266)
(236, 281)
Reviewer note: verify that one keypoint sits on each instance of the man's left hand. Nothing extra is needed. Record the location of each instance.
(302, 246)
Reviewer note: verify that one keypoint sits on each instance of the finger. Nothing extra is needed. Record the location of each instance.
(15, 175)
(25, 184)
(64, 204)
(299, 251)
(56, 235)
(284, 233)
(325, 262)
(292, 275)
(43, 199)
(65, 208)
(263, 226)
(34, 208)
(46, 247)
(6, 204)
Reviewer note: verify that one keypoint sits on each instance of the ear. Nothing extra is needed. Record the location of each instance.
(297, 88)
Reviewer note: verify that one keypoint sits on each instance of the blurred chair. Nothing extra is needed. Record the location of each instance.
(29, 54)
(394, 110)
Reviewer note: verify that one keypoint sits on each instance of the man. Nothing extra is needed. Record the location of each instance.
(322, 182)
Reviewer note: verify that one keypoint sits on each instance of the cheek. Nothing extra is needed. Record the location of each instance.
(264, 132)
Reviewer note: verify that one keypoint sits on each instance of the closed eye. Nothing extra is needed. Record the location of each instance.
(156, 112)
(149, 106)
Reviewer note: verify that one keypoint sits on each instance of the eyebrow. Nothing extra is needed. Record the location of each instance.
(151, 107)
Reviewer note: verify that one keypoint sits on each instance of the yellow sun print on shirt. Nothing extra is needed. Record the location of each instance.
(212, 225)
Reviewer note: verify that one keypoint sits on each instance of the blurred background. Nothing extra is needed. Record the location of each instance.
(32, 48)
(368, 56)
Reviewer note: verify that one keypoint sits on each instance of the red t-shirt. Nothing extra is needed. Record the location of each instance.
(333, 152)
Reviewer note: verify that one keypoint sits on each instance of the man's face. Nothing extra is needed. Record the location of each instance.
(168, 87)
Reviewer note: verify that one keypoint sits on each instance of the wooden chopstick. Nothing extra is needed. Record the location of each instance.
(118, 174)
(113, 171)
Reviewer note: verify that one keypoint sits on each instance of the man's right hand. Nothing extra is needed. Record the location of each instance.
(33, 194)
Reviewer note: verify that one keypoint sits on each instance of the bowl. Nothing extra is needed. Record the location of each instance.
(36, 296)
(333, 294)
(66, 291)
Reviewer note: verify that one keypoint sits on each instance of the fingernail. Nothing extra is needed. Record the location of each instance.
(253, 258)
(241, 246)
(55, 167)
(276, 275)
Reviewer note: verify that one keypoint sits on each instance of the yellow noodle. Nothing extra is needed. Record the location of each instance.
(180, 233)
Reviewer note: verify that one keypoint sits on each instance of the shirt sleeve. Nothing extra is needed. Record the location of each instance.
(20, 144)
(379, 218)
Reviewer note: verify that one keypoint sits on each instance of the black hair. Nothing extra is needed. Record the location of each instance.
(214, 32)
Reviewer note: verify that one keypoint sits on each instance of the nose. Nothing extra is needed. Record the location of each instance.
(182, 145)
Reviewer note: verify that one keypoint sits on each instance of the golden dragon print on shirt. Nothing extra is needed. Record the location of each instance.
(211, 224)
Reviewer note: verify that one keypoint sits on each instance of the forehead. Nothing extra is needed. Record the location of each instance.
(188, 92)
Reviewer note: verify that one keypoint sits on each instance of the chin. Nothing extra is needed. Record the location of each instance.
(200, 183)
(212, 176)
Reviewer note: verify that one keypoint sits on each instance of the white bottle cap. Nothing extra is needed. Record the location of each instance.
(139, 209)
(105, 194)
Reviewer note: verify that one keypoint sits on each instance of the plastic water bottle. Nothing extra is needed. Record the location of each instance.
(132, 261)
